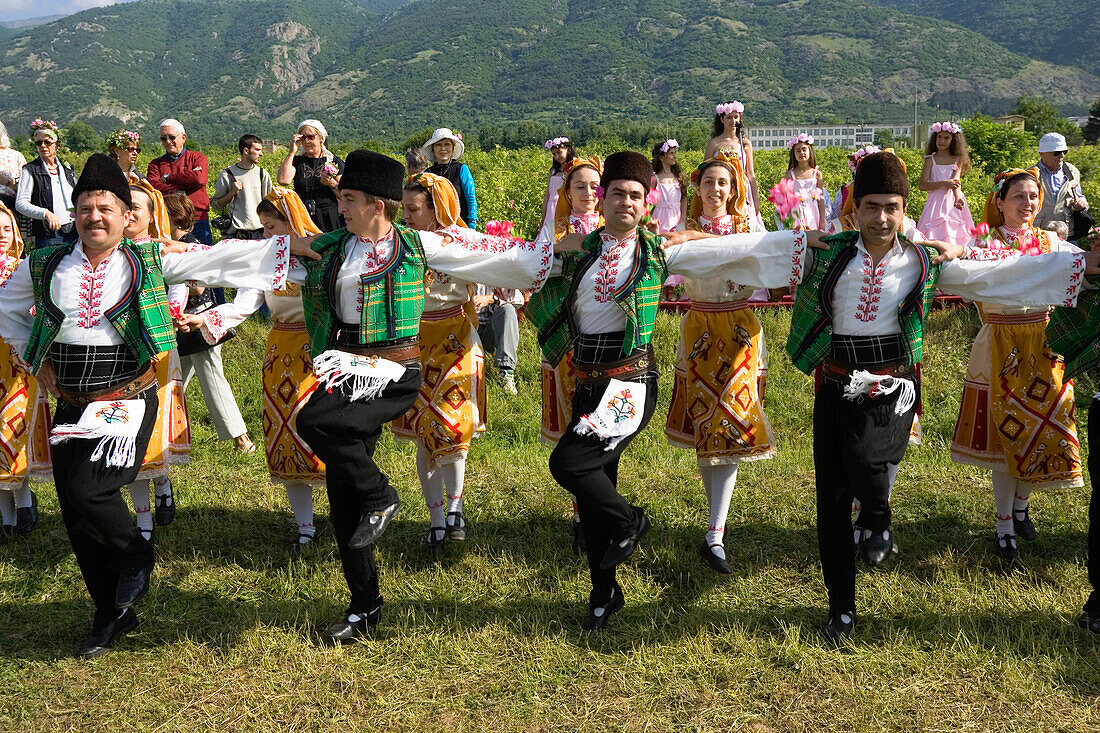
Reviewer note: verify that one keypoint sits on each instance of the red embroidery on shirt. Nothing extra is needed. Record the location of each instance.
(608, 271)
(870, 292)
(721, 225)
(89, 300)
(584, 223)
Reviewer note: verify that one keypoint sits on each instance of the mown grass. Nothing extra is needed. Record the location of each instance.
(487, 637)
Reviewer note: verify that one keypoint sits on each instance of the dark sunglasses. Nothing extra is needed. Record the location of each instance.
(132, 150)
(166, 138)
(310, 136)
(47, 143)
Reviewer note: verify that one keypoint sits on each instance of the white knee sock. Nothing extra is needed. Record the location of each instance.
(139, 495)
(454, 477)
(1004, 493)
(22, 495)
(1019, 504)
(719, 482)
(431, 484)
(7, 507)
(300, 496)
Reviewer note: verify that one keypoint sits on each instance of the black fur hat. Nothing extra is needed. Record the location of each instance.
(880, 173)
(374, 174)
(103, 174)
(627, 166)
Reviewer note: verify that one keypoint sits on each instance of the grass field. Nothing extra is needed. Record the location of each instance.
(487, 638)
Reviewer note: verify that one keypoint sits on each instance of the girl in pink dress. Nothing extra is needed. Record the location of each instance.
(562, 151)
(671, 208)
(802, 169)
(946, 161)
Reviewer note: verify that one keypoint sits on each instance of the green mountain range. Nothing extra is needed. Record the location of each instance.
(385, 68)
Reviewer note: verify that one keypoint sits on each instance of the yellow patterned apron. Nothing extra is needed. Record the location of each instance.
(24, 423)
(719, 384)
(288, 381)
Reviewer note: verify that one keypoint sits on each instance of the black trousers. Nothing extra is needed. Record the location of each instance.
(583, 468)
(856, 445)
(103, 533)
(1093, 603)
(344, 435)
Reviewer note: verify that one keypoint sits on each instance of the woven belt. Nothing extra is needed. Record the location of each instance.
(833, 369)
(1014, 319)
(632, 367)
(725, 306)
(406, 353)
(287, 325)
(442, 314)
(127, 391)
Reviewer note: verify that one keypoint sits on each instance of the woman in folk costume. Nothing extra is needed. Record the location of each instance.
(576, 213)
(450, 407)
(170, 443)
(24, 415)
(1016, 413)
(287, 371)
(721, 361)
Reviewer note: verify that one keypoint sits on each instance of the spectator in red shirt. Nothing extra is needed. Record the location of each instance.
(182, 170)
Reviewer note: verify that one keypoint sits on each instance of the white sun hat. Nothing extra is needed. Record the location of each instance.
(1052, 142)
(443, 133)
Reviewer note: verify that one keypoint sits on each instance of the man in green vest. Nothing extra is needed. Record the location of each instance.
(88, 318)
(859, 316)
(1075, 334)
(601, 303)
(363, 299)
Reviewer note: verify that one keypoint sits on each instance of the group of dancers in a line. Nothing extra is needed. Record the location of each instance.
(372, 326)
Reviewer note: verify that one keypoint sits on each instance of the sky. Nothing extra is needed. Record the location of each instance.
(22, 9)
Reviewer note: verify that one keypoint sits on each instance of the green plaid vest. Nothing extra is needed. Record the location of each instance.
(811, 336)
(1075, 332)
(551, 309)
(393, 298)
(141, 317)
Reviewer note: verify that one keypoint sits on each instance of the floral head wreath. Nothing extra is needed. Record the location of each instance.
(119, 138)
(728, 107)
(951, 127)
(800, 138)
(47, 126)
(854, 158)
(669, 144)
(556, 142)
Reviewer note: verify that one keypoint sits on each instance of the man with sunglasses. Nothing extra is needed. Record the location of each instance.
(183, 170)
(1061, 182)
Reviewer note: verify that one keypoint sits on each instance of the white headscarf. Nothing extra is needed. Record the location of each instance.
(316, 125)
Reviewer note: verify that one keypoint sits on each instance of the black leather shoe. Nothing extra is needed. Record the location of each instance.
(1025, 528)
(578, 537)
(457, 530)
(132, 586)
(839, 626)
(619, 551)
(598, 616)
(1004, 547)
(1090, 621)
(372, 525)
(165, 510)
(26, 519)
(352, 627)
(101, 641)
(878, 547)
(434, 541)
(716, 563)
